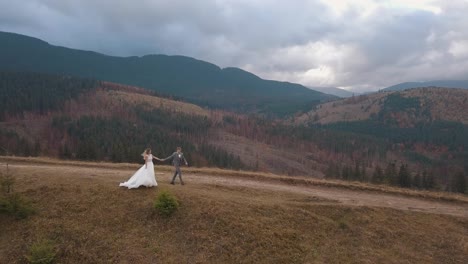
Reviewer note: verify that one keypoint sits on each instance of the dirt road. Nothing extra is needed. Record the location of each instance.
(348, 197)
(113, 176)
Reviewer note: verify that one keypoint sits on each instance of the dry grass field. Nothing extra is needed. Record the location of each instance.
(225, 217)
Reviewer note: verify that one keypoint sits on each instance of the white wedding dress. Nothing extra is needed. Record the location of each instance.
(143, 177)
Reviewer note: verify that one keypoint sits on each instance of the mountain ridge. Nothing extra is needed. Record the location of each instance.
(463, 84)
(195, 80)
(342, 93)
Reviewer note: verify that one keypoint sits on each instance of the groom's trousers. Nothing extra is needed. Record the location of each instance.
(177, 171)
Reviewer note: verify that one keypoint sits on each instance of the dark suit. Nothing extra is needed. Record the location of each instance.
(177, 159)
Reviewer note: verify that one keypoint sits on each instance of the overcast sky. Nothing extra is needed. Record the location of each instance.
(356, 44)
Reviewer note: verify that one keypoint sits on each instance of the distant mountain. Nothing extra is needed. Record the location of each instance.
(445, 84)
(196, 81)
(342, 93)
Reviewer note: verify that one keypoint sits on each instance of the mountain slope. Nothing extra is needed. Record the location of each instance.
(415, 105)
(197, 81)
(76, 118)
(426, 127)
(441, 83)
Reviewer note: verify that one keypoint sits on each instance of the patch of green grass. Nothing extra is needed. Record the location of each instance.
(42, 252)
(342, 224)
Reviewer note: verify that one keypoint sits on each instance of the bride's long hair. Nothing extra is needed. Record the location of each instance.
(146, 152)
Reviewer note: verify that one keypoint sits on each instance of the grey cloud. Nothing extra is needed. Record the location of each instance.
(299, 41)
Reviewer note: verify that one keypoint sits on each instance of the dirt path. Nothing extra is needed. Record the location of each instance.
(348, 197)
(343, 196)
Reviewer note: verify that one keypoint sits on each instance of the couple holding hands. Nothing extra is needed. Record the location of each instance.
(145, 175)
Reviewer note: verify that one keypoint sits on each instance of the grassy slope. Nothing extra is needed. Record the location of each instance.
(92, 221)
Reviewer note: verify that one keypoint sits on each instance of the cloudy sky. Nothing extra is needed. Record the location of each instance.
(356, 44)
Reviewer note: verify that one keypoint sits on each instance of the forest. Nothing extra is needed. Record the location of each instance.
(100, 138)
(375, 150)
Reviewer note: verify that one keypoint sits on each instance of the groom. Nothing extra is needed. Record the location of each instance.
(177, 158)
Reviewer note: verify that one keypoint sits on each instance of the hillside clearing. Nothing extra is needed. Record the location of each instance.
(224, 219)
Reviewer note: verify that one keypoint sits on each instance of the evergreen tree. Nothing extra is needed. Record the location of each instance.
(346, 173)
(329, 172)
(377, 176)
(459, 183)
(356, 174)
(431, 183)
(417, 181)
(428, 180)
(333, 171)
(404, 177)
(390, 174)
(363, 173)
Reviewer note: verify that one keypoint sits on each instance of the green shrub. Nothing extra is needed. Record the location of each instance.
(15, 204)
(6, 182)
(342, 224)
(42, 252)
(10, 202)
(166, 203)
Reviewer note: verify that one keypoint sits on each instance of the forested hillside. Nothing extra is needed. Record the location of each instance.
(71, 118)
(194, 80)
(425, 127)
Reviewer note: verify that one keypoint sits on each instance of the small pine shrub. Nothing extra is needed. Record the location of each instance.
(4, 206)
(166, 203)
(15, 204)
(42, 252)
(20, 207)
(10, 202)
(6, 182)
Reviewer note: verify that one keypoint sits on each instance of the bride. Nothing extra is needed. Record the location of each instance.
(145, 175)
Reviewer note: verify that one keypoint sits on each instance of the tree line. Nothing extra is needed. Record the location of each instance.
(395, 175)
(117, 140)
(39, 93)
